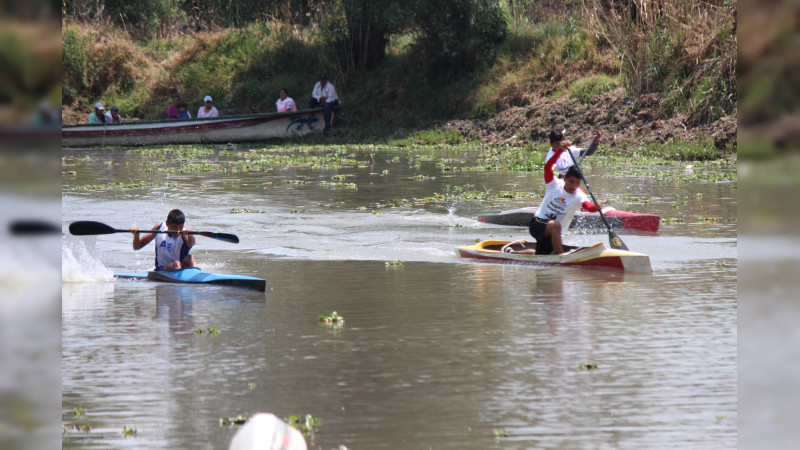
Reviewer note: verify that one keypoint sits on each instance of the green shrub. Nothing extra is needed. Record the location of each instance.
(585, 89)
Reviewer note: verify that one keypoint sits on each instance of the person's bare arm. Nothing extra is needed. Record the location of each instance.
(141, 241)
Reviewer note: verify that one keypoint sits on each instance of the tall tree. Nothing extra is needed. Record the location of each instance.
(461, 34)
(369, 24)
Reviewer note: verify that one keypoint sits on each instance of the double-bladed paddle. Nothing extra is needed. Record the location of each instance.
(613, 239)
(87, 227)
(32, 227)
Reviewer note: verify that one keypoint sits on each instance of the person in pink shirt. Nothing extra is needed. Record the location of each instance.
(285, 103)
(172, 111)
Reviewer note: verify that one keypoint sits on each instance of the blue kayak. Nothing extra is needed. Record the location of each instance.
(194, 275)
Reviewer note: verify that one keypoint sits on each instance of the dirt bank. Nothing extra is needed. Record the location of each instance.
(619, 119)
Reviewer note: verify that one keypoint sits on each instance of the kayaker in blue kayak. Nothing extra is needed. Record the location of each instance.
(560, 196)
(172, 249)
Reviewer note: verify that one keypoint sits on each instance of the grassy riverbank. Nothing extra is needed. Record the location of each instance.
(566, 62)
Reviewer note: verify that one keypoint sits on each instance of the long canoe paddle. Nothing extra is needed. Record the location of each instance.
(87, 227)
(613, 239)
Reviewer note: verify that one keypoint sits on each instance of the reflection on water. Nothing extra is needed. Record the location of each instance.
(438, 353)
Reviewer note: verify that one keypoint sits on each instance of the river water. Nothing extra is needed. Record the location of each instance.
(435, 352)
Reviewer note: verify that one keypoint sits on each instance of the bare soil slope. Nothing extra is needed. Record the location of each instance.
(617, 117)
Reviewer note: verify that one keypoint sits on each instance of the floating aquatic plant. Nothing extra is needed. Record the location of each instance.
(706, 218)
(211, 331)
(500, 433)
(587, 366)
(338, 185)
(333, 319)
(231, 421)
(243, 211)
(79, 412)
(81, 428)
(128, 431)
(307, 424)
(395, 264)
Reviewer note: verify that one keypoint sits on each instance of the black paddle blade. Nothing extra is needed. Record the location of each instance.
(87, 228)
(615, 241)
(32, 227)
(227, 237)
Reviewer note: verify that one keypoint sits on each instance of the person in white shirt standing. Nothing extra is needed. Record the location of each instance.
(285, 103)
(207, 110)
(324, 95)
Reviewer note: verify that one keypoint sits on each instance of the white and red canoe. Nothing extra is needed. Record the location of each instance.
(223, 129)
(620, 220)
(595, 256)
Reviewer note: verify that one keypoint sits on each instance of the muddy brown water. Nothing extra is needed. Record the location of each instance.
(439, 352)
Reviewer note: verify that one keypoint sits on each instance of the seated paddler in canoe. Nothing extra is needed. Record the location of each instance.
(173, 247)
(559, 199)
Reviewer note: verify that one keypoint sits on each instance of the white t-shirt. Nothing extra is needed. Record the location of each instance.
(557, 202)
(211, 112)
(168, 248)
(286, 105)
(329, 92)
(563, 162)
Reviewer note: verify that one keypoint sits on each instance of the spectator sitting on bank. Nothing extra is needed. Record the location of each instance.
(324, 95)
(98, 117)
(207, 110)
(183, 111)
(172, 111)
(113, 116)
(285, 103)
(45, 115)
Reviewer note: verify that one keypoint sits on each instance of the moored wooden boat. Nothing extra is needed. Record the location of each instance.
(620, 220)
(194, 275)
(594, 256)
(223, 129)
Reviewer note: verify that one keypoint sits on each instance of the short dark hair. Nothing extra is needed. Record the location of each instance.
(573, 172)
(176, 216)
(556, 135)
(284, 90)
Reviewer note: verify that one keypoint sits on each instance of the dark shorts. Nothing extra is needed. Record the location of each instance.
(544, 246)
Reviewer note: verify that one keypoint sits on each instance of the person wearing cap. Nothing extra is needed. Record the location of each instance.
(113, 116)
(564, 162)
(172, 111)
(324, 95)
(285, 103)
(207, 110)
(98, 117)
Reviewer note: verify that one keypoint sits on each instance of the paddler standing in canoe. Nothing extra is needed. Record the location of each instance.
(545, 225)
(172, 249)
